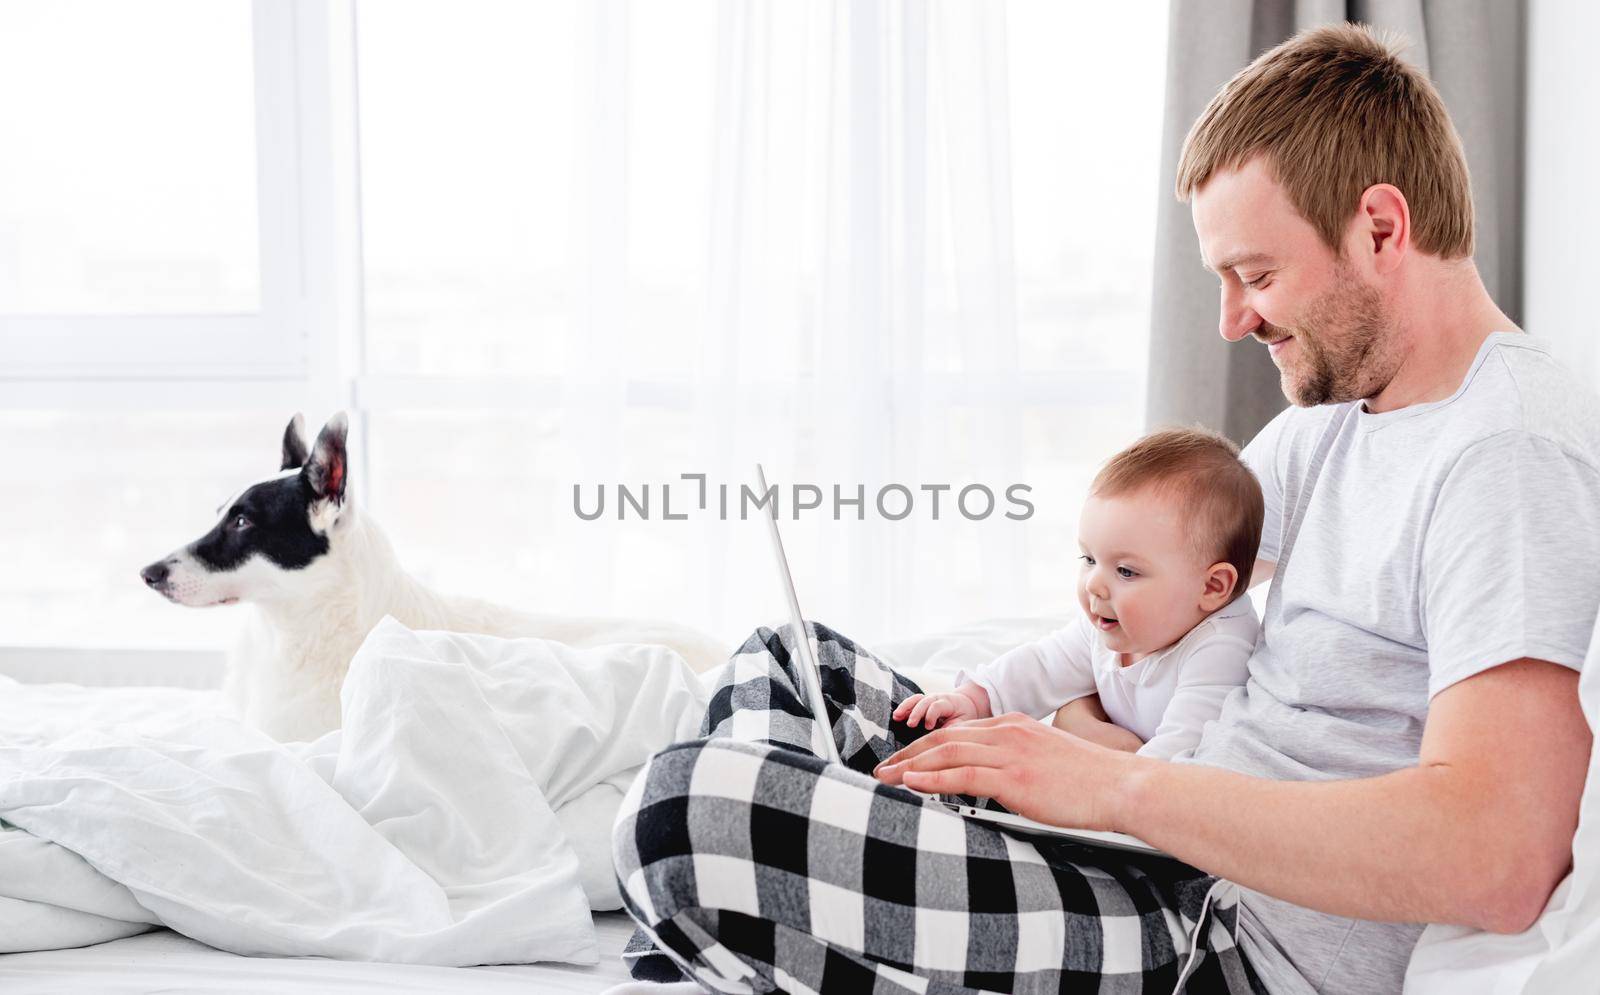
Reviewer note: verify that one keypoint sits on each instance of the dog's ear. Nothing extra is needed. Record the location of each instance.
(294, 443)
(324, 470)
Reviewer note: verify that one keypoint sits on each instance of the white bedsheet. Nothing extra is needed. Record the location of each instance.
(461, 816)
(164, 961)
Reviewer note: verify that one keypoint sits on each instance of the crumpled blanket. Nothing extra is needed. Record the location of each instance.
(461, 816)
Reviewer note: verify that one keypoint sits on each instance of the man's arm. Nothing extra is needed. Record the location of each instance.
(1478, 833)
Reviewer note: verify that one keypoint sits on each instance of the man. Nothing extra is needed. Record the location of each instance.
(1409, 747)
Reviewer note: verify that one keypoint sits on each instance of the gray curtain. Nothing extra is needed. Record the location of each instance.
(1474, 52)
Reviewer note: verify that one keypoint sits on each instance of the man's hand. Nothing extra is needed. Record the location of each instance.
(934, 710)
(1031, 768)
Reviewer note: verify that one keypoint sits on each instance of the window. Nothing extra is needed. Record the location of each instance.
(147, 222)
(598, 244)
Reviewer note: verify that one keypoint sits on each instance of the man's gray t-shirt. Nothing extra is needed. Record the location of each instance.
(1415, 548)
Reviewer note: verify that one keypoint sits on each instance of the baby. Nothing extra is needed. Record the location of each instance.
(1168, 536)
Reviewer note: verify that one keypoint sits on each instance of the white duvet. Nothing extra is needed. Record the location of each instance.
(461, 816)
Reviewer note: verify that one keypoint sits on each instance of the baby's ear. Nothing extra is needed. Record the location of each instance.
(1221, 579)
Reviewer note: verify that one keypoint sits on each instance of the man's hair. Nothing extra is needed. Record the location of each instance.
(1218, 495)
(1335, 111)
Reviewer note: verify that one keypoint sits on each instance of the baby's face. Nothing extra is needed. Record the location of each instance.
(1140, 581)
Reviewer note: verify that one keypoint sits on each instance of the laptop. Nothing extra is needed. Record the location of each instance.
(811, 681)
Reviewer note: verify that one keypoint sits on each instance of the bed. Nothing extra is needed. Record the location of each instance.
(164, 960)
(1560, 954)
(167, 961)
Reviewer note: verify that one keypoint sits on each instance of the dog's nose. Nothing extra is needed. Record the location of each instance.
(155, 574)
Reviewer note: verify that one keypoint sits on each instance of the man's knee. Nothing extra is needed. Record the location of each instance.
(766, 651)
(780, 642)
(767, 639)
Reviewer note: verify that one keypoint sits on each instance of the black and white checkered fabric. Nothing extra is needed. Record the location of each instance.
(752, 865)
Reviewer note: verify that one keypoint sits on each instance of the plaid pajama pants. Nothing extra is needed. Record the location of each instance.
(752, 865)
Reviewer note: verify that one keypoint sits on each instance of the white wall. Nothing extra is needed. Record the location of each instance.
(1562, 253)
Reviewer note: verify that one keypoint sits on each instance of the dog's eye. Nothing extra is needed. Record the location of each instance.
(240, 522)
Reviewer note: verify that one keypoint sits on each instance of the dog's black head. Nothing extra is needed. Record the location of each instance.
(270, 530)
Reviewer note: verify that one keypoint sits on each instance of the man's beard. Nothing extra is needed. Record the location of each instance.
(1346, 345)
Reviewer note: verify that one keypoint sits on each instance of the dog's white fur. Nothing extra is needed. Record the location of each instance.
(287, 670)
(286, 673)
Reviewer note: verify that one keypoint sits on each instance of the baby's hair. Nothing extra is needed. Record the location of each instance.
(1219, 496)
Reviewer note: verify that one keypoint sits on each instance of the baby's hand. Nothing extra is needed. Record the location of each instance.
(934, 710)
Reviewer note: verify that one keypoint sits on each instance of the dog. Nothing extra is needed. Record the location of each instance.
(321, 575)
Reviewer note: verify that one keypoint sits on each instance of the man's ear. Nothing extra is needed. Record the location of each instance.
(324, 470)
(1221, 579)
(294, 443)
(1383, 219)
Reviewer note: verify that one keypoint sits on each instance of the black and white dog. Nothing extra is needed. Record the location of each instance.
(322, 575)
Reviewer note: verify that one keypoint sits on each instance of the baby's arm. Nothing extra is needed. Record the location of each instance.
(1084, 718)
(1036, 677)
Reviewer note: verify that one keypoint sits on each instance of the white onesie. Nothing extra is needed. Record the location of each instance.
(1164, 699)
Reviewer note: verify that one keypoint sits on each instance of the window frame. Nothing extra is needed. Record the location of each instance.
(277, 354)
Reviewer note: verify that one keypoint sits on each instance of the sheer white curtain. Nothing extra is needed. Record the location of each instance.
(753, 231)
(861, 287)
(616, 242)
(858, 292)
